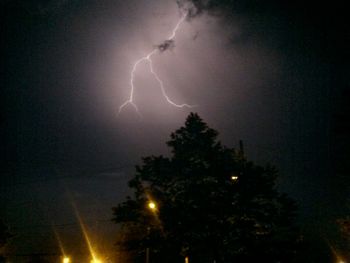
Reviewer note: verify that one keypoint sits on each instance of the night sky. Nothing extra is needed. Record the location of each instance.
(272, 74)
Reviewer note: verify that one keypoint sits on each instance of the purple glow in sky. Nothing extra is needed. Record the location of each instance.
(167, 44)
(260, 71)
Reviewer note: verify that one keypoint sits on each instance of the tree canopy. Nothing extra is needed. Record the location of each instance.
(210, 204)
(4, 238)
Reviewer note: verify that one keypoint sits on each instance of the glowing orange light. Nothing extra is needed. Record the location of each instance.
(86, 236)
(152, 205)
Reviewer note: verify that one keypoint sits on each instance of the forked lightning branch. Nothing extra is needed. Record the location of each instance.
(168, 43)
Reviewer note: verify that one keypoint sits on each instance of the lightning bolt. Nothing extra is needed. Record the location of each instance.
(148, 59)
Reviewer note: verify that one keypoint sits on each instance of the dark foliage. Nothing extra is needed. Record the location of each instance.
(4, 234)
(212, 204)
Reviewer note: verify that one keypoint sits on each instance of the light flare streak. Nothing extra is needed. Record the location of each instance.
(148, 59)
(86, 236)
(59, 241)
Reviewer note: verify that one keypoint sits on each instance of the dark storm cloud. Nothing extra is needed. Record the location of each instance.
(40, 7)
(321, 25)
(167, 44)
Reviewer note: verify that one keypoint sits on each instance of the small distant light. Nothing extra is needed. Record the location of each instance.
(66, 260)
(152, 205)
(234, 178)
(186, 260)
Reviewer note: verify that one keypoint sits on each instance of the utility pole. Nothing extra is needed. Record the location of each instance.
(147, 255)
(241, 147)
(147, 249)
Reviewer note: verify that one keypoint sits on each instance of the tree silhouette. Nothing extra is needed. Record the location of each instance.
(4, 238)
(344, 227)
(211, 204)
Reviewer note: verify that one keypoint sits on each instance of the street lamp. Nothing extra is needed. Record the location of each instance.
(152, 205)
(66, 260)
(234, 178)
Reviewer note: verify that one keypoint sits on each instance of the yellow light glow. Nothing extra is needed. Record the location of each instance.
(66, 260)
(234, 178)
(59, 243)
(86, 236)
(152, 205)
